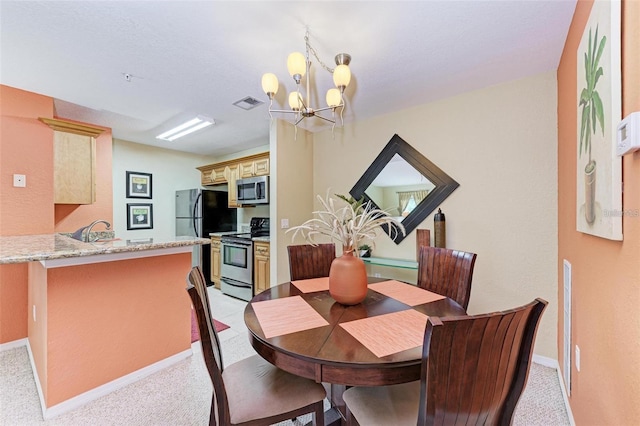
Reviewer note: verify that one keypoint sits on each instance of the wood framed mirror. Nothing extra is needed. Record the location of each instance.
(404, 183)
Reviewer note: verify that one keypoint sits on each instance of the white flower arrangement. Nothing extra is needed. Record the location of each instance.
(350, 224)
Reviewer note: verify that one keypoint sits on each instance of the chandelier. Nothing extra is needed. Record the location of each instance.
(299, 66)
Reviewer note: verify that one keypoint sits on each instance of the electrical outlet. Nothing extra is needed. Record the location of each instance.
(578, 358)
(284, 223)
(34, 313)
(376, 275)
(19, 181)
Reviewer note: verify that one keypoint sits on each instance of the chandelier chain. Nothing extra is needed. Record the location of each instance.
(310, 48)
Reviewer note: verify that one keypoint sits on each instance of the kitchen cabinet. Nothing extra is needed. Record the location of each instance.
(74, 161)
(221, 173)
(261, 268)
(231, 174)
(251, 168)
(216, 261)
(218, 176)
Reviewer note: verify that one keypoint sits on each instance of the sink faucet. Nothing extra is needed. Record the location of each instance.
(87, 236)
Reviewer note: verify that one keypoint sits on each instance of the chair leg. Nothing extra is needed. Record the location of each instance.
(351, 421)
(318, 414)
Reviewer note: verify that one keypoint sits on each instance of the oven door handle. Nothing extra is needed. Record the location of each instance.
(236, 244)
(236, 283)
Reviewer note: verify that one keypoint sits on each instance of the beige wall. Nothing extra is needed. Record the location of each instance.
(499, 143)
(170, 170)
(291, 189)
(605, 273)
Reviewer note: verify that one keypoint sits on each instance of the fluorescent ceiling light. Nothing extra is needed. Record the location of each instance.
(186, 128)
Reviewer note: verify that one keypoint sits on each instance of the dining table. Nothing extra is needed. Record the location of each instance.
(298, 327)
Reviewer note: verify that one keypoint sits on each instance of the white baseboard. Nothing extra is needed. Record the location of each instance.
(100, 391)
(553, 363)
(13, 344)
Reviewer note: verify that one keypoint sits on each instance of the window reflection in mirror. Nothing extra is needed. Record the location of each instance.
(399, 188)
(405, 183)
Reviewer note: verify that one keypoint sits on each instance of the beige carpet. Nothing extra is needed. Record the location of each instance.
(181, 394)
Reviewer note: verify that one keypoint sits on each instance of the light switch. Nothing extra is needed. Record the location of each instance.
(19, 181)
(284, 223)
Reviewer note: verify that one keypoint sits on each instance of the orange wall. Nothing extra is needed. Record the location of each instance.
(122, 315)
(26, 147)
(606, 274)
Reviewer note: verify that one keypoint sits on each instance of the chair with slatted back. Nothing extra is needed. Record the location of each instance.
(307, 261)
(446, 272)
(251, 391)
(474, 370)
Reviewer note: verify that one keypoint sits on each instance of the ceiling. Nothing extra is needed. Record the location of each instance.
(188, 58)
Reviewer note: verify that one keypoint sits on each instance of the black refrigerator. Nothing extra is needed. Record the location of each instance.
(200, 212)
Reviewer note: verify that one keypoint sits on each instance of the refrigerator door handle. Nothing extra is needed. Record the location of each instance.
(193, 216)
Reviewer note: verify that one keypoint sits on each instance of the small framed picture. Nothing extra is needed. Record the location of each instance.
(138, 185)
(139, 216)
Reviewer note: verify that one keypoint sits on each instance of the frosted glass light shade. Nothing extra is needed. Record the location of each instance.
(342, 76)
(296, 64)
(333, 98)
(270, 83)
(295, 101)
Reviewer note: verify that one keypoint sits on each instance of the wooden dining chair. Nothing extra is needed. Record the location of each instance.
(308, 261)
(251, 391)
(446, 272)
(474, 370)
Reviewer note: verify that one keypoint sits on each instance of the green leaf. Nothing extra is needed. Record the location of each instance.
(600, 50)
(599, 74)
(593, 54)
(599, 111)
(584, 97)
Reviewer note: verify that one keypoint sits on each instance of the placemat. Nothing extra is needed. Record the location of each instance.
(389, 333)
(312, 284)
(287, 315)
(405, 293)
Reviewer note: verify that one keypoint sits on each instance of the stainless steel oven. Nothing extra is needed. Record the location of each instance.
(237, 260)
(237, 267)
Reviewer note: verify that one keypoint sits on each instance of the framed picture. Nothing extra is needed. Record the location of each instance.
(599, 108)
(139, 216)
(138, 185)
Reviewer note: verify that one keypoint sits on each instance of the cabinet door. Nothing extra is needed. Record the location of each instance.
(261, 266)
(246, 169)
(218, 175)
(215, 261)
(232, 175)
(261, 167)
(74, 159)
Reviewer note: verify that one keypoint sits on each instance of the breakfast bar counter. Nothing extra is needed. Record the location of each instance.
(28, 248)
(102, 314)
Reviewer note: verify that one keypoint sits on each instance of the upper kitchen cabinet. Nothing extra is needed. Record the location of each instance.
(219, 173)
(74, 161)
(251, 168)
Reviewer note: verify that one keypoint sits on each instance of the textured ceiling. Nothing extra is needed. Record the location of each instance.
(187, 58)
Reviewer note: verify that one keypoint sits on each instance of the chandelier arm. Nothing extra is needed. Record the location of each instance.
(299, 120)
(281, 110)
(326, 119)
(326, 108)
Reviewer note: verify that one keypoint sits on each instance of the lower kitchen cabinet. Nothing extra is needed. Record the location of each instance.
(216, 261)
(261, 266)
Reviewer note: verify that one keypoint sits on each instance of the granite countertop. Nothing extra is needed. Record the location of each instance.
(261, 239)
(28, 248)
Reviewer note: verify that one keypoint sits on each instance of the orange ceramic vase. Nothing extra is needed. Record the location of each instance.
(348, 279)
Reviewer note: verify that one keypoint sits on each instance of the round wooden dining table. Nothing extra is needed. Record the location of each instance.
(328, 352)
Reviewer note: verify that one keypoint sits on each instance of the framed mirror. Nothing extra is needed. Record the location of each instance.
(404, 183)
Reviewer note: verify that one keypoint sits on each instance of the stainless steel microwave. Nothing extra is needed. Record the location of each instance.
(253, 190)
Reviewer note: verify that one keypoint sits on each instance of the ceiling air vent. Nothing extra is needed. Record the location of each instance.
(248, 103)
